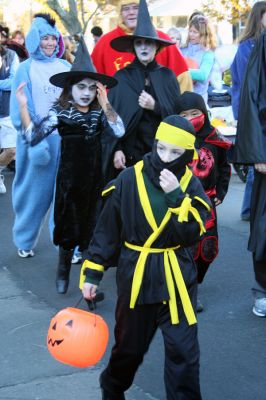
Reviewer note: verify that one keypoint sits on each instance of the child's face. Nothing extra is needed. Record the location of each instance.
(169, 152)
(84, 92)
(189, 114)
(195, 116)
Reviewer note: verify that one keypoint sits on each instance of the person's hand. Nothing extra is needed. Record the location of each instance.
(168, 181)
(260, 167)
(146, 101)
(21, 97)
(217, 201)
(119, 160)
(89, 291)
(102, 95)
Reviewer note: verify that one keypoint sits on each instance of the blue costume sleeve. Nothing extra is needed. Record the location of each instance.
(22, 75)
(238, 69)
(5, 84)
(202, 74)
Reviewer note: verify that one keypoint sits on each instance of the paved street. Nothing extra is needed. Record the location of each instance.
(232, 339)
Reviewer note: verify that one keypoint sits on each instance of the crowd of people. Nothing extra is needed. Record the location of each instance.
(120, 147)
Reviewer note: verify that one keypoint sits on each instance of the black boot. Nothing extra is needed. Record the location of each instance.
(108, 396)
(63, 270)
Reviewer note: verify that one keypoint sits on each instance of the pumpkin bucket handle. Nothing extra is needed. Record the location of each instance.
(91, 303)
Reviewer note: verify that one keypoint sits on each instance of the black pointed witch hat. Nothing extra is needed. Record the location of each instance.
(82, 67)
(144, 30)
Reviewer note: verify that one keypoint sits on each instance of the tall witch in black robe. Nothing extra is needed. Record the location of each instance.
(250, 149)
(158, 81)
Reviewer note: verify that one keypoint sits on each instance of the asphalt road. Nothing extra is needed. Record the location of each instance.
(232, 339)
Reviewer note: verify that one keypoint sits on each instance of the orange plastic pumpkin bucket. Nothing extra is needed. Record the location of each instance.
(77, 337)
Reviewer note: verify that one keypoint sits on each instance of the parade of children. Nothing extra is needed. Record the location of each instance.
(121, 228)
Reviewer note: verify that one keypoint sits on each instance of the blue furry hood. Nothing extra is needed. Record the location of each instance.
(41, 27)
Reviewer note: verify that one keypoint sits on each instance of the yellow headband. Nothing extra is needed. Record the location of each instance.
(176, 136)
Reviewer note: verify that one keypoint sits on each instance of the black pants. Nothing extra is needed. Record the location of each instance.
(134, 331)
(202, 267)
(260, 272)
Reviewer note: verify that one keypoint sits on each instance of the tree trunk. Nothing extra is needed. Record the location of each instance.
(69, 18)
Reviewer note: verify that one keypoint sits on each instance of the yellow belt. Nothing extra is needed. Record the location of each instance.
(172, 269)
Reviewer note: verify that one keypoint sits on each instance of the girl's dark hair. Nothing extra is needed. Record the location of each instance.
(254, 26)
(65, 99)
(47, 17)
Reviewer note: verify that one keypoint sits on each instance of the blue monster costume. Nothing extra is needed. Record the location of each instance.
(36, 167)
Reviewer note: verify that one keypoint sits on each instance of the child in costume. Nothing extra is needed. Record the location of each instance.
(82, 116)
(213, 170)
(34, 182)
(152, 213)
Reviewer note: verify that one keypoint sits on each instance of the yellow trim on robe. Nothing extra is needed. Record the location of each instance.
(106, 191)
(172, 273)
(90, 265)
(184, 181)
(143, 196)
(203, 202)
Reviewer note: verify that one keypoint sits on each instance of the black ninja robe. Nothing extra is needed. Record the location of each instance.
(250, 146)
(141, 124)
(79, 178)
(153, 264)
(214, 171)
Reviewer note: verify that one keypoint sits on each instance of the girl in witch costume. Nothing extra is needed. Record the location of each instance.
(213, 170)
(146, 91)
(153, 212)
(82, 116)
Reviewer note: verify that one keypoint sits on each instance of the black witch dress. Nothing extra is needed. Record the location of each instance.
(80, 173)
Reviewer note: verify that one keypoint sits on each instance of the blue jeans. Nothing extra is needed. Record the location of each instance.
(245, 209)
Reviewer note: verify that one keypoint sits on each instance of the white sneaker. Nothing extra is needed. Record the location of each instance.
(2, 186)
(259, 308)
(25, 253)
(77, 258)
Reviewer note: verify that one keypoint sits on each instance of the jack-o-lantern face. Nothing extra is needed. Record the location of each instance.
(57, 342)
(77, 337)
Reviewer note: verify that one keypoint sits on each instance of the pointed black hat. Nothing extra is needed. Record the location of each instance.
(144, 29)
(82, 67)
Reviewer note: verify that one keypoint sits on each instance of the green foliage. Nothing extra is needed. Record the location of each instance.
(76, 14)
(228, 10)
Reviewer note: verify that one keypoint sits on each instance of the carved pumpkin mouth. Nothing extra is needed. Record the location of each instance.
(55, 342)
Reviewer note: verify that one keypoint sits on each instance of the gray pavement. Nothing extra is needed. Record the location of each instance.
(232, 339)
